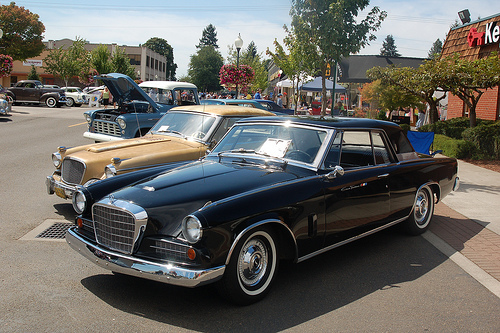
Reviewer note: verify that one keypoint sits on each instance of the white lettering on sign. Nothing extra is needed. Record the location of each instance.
(33, 62)
(492, 33)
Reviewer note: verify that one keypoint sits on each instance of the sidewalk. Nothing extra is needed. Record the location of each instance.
(468, 221)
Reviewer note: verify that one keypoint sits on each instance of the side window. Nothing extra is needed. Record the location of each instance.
(379, 149)
(332, 158)
(224, 127)
(356, 150)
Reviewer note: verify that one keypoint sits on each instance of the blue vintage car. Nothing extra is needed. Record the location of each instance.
(136, 108)
(273, 188)
(273, 107)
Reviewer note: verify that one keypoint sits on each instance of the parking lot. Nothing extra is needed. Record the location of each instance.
(386, 282)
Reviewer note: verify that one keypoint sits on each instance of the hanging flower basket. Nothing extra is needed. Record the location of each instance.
(5, 65)
(230, 75)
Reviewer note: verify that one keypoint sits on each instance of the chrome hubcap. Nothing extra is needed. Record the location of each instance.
(253, 262)
(421, 208)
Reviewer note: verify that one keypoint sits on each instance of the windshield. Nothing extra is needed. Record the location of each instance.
(186, 124)
(277, 140)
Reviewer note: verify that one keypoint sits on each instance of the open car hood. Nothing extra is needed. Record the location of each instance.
(124, 89)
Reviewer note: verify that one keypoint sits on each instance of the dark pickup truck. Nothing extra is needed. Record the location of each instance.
(33, 91)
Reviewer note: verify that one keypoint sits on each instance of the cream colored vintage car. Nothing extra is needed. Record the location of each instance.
(182, 134)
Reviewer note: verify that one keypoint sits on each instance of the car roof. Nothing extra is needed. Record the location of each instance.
(224, 110)
(331, 122)
(167, 85)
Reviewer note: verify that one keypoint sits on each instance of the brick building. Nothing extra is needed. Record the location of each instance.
(475, 40)
(149, 65)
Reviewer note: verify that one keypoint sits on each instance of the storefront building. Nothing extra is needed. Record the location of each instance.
(475, 40)
(149, 65)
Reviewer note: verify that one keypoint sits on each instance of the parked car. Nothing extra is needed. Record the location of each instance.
(75, 96)
(273, 188)
(33, 92)
(182, 134)
(51, 86)
(241, 102)
(273, 107)
(134, 111)
(5, 102)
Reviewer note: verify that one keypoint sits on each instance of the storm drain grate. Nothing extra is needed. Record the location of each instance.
(55, 231)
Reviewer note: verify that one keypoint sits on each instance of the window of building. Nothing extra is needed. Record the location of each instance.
(156, 63)
(147, 61)
(135, 59)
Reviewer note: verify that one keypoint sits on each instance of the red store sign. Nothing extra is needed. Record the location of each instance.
(490, 36)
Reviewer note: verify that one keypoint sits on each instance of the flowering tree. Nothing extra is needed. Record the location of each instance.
(87, 77)
(5, 65)
(230, 76)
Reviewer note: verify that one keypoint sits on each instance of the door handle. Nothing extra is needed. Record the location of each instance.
(385, 175)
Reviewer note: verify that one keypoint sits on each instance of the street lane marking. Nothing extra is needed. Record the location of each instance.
(77, 124)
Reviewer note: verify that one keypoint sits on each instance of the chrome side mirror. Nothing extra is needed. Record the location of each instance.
(337, 171)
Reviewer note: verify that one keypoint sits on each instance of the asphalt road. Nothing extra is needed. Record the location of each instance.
(387, 282)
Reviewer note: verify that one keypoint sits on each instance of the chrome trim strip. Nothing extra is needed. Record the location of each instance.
(236, 240)
(352, 239)
(129, 265)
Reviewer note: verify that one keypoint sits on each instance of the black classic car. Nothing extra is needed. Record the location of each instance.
(34, 92)
(273, 188)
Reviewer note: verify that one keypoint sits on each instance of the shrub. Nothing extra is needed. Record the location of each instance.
(486, 138)
(454, 148)
(405, 127)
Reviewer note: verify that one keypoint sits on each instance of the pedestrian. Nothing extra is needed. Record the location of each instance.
(421, 118)
(105, 97)
(279, 101)
(257, 94)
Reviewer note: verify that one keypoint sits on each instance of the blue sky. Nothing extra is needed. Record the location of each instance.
(415, 25)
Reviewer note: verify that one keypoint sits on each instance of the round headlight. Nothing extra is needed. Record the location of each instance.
(56, 160)
(79, 202)
(88, 118)
(122, 123)
(191, 229)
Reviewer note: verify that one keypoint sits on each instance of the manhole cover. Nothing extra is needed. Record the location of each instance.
(55, 231)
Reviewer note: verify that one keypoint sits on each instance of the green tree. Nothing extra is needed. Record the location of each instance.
(68, 62)
(327, 31)
(468, 80)
(435, 51)
(421, 82)
(204, 68)
(291, 63)
(121, 63)
(101, 59)
(161, 46)
(33, 75)
(22, 32)
(208, 37)
(389, 48)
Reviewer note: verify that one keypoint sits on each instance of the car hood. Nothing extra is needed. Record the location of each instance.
(135, 153)
(171, 196)
(124, 89)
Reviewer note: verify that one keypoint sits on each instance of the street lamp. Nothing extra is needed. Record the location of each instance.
(238, 43)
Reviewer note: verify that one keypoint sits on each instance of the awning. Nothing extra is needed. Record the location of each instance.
(315, 85)
(285, 84)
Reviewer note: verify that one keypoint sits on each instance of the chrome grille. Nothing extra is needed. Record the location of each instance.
(72, 171)
(171, 251)
(106, 127)
(114, 228)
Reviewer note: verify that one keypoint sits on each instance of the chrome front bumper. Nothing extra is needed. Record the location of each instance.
(100, 137)
(55, 185)
(129, 265)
